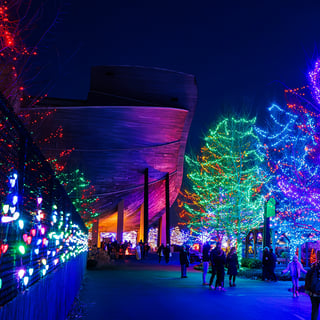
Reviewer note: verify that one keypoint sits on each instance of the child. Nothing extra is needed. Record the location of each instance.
(295, 267)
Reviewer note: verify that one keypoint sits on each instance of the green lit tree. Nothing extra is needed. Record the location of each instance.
(202, 227)
(226, 180)
(81, 193)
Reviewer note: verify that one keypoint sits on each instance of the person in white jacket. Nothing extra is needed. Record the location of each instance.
(295, 267)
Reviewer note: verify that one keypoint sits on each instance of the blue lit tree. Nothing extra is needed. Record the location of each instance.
(294, 178)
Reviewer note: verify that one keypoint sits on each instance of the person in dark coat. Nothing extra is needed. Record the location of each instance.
(272, 265)
(141, 244)
(160, 252)
(166, 252)
(184, 261)
(315, 298)
(232, 264)
(266, 264)
(205, 261)
(213, 253)
(219, 262)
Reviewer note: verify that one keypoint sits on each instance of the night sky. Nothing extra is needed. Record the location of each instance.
(243, 56)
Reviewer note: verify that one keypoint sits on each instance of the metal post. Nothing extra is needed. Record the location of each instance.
(266, 232)
(120, 218)
(167, 209)
(146, 206)
(159, 232)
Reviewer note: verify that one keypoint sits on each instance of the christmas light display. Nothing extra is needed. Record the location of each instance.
(294, 177)
(81, 192)
(193, 215)
(44, 240)
(15, 56)
(37, 231)
(131, 237)
(23, 26)
(226, 180)
(314, 78)
(153, 238)
(178, 236)
(109, 236)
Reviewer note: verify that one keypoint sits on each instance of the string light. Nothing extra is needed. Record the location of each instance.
(226, 180)
(289, 147)
(39, 238)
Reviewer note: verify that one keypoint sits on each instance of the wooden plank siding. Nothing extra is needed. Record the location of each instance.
(134, 118)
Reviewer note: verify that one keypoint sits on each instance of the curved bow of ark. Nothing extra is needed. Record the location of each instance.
(129, 139)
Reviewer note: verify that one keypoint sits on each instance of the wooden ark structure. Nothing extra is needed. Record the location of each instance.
(129, 139)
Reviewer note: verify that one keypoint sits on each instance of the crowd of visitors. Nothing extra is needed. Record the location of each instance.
(142, 250)
(164, 252)
(115, 250)
(219, 261)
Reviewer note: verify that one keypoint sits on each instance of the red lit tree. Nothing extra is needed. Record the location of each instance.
(20, 40)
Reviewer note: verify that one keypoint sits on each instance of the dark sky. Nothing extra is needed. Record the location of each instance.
(243, 54)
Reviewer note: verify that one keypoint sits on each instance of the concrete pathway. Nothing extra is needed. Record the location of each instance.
(145, 290)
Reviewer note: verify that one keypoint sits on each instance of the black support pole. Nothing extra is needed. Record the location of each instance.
(266, 232)
(159, 232)
(146, 206)
(167, 209)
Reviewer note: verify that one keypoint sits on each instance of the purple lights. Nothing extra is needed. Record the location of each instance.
(314, 81)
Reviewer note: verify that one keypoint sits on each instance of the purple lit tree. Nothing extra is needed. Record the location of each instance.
(294, 176)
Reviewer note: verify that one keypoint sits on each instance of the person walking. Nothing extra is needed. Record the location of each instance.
(295, 267)
(205, 261)
(232, 265)
(184, 261)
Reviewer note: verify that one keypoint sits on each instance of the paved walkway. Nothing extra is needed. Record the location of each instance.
(146, 290)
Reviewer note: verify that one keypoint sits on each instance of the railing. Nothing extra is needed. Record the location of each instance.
(40, 229)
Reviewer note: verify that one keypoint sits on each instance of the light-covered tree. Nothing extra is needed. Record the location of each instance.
(226, 180)
(294, 178)
(81, 193)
